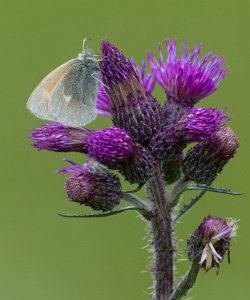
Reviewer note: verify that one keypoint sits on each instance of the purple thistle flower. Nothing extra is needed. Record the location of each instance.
(112, 147)
(188, 79)
(109, 145)
(93, 185)
(60, 138)
(116, 150)
(103, 102)
(133, 108)
(199, 123)
(196, 125)
(211, 241)
(207, 159)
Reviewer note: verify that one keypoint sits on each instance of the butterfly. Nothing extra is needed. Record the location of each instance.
(68, 93)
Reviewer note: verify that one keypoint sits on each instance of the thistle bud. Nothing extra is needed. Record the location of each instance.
(206, 160)
(133, 107)
(211, 241)
(60, 138)
(93, 185)
(109, 146)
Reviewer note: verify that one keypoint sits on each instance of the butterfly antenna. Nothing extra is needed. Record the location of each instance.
(84, 42)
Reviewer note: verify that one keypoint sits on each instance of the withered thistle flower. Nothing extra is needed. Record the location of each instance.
(211, 241)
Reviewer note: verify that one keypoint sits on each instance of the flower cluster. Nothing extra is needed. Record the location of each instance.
(156, 145)
(145, 133)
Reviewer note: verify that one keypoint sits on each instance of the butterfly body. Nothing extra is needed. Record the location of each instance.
(68, 94)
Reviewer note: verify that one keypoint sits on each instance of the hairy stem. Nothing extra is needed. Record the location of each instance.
(187, 282)
(161, 236)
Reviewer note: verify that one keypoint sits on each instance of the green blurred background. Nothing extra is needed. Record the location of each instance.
(43, 256)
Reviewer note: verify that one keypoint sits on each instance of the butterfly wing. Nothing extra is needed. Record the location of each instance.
(38, 102)
(73, 100)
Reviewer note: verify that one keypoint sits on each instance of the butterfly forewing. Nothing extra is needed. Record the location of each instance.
(68, 94)
(73, 101)
(38, 102)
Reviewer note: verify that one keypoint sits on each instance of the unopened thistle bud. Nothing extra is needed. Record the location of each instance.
(206, 160)
(211, 241)
(133, 107)
(93, 185)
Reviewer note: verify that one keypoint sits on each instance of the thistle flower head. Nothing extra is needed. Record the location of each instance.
(103, 103)
(59, 138)
(200, 123)
(109, 145)
(211, 241)
(133, 107)
(93, 185)
(196, 125)
(117, 70)
(188, 79)
(206, 160)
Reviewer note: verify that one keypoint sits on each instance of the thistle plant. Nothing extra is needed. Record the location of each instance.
(147, 146)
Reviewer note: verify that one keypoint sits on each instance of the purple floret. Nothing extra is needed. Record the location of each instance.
(200, 123)
(109, 145)
(188, 79)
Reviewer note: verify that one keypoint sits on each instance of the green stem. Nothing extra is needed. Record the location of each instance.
(187, 282)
